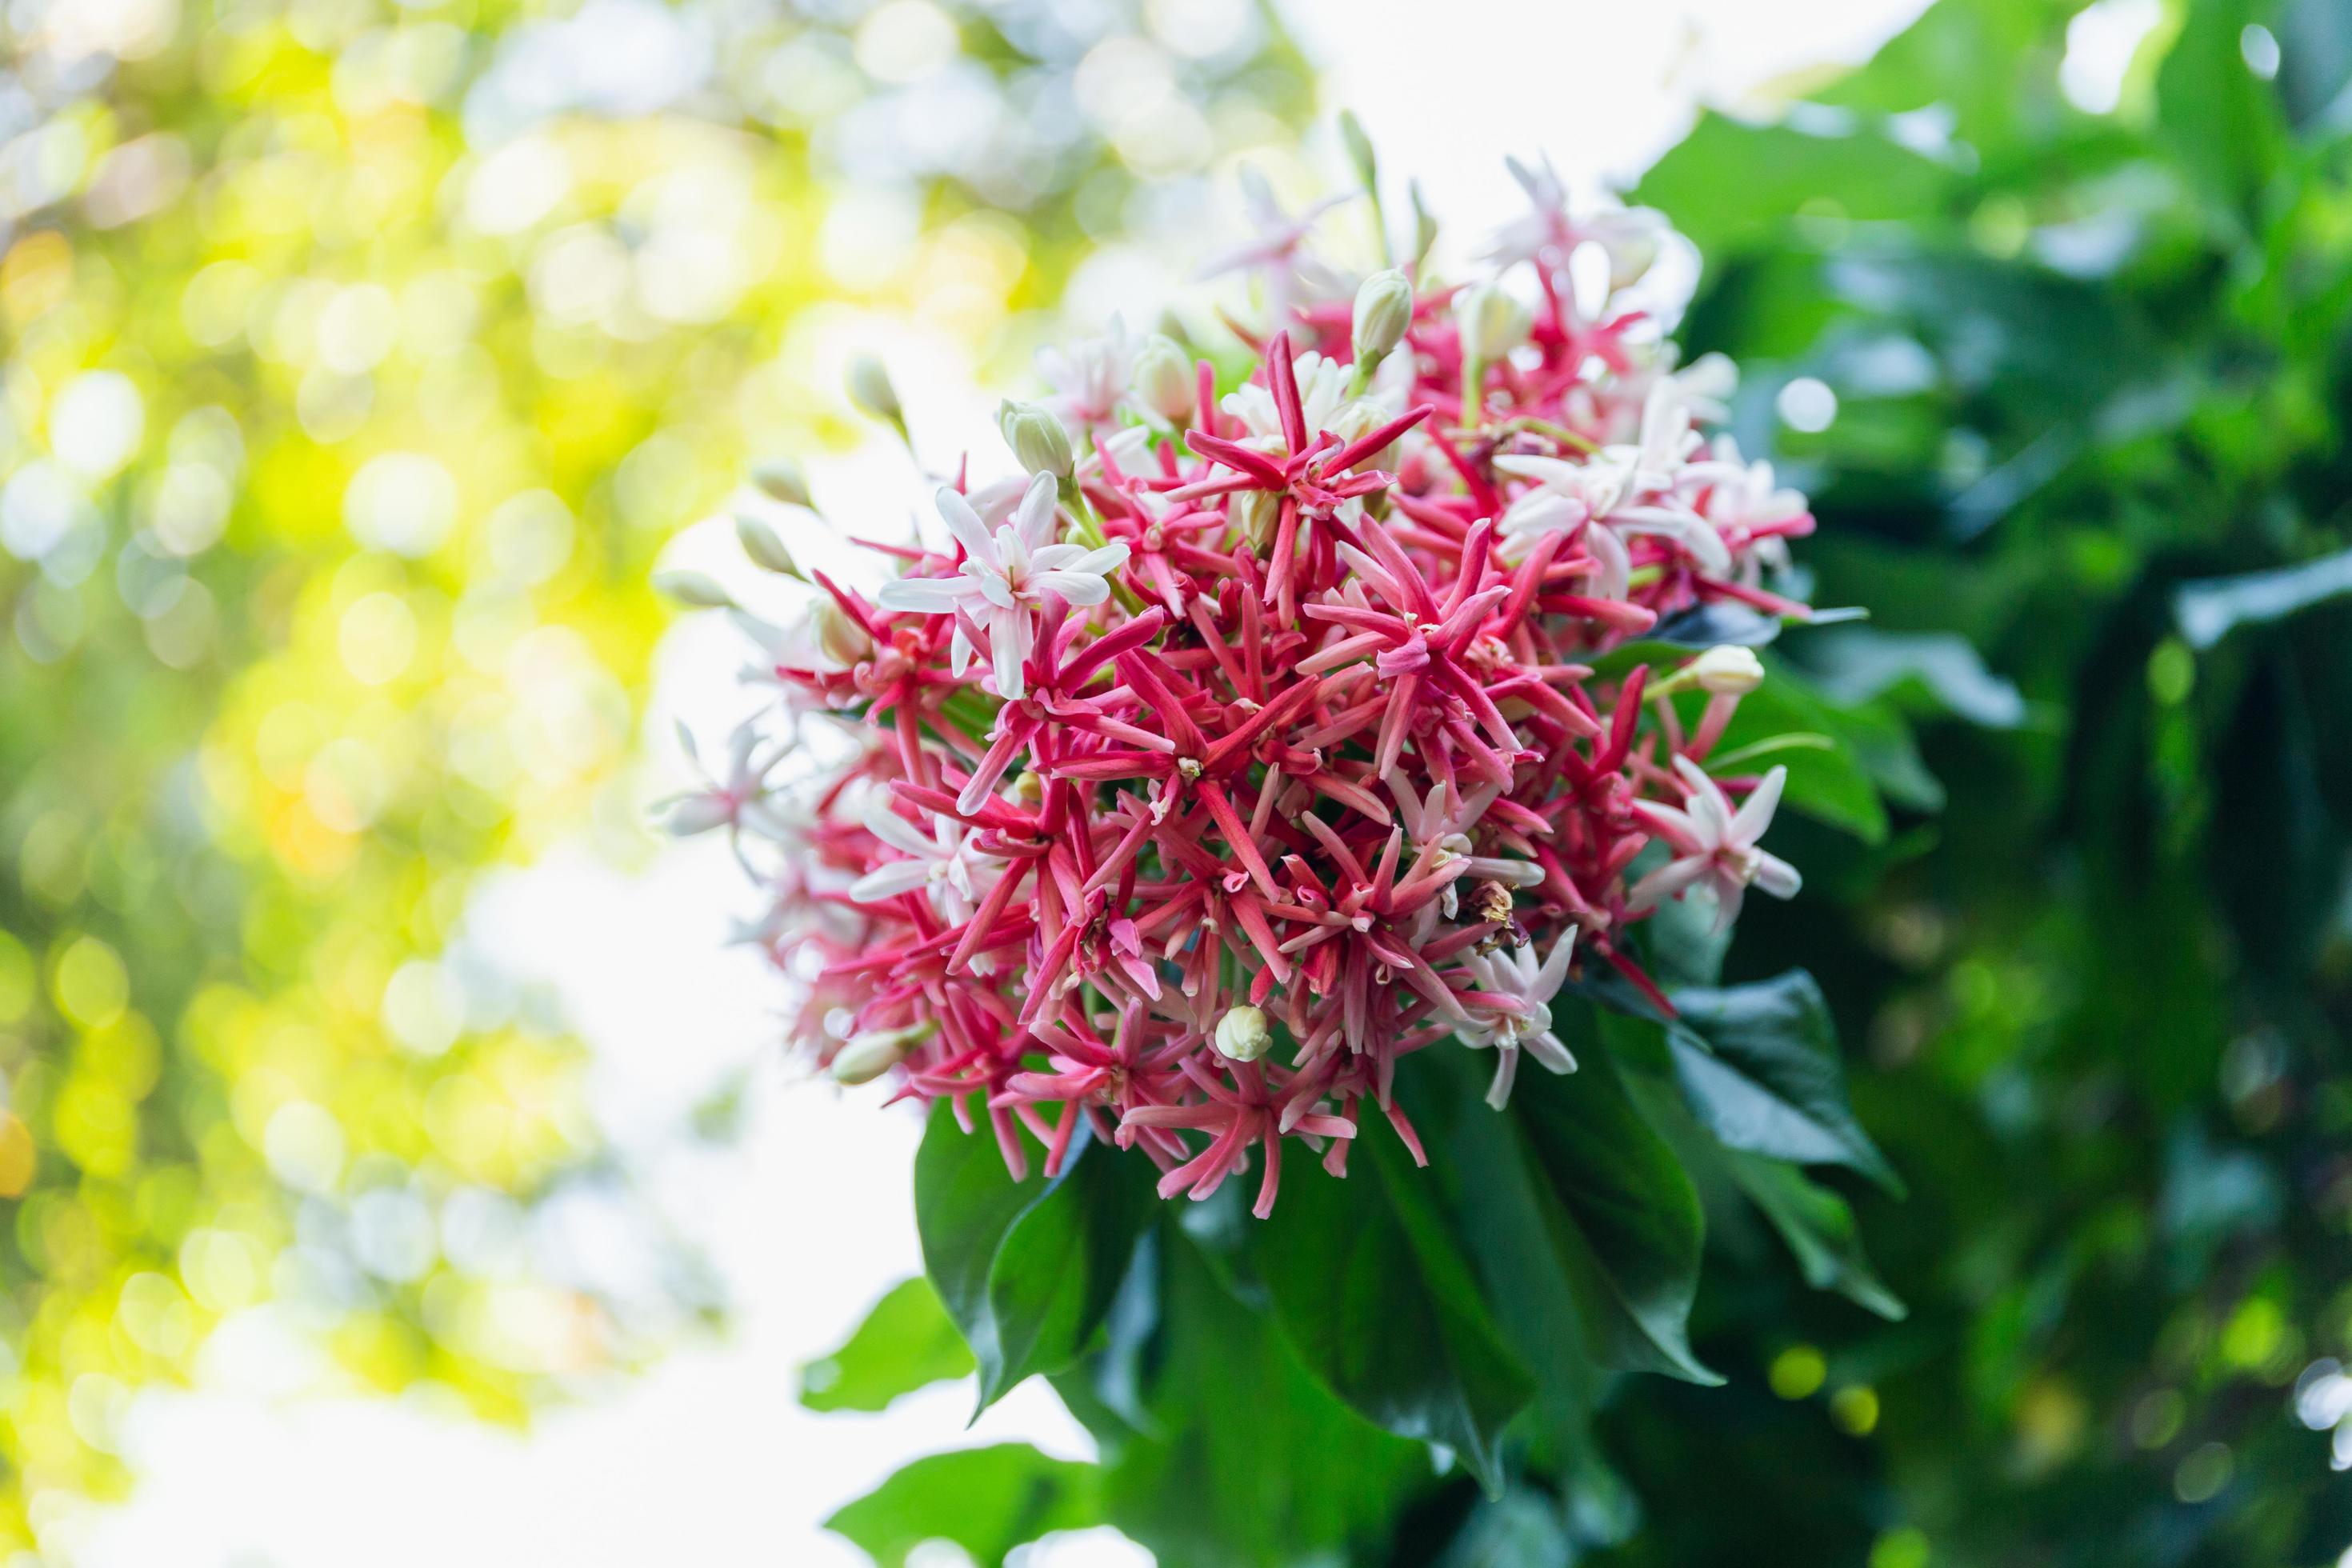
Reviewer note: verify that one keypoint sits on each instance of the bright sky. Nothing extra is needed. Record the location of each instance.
(706, 1459)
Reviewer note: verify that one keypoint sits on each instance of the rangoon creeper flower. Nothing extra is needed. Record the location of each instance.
(1008, 577)
(945, 865)
(1716, 845)
(1277, 253)
(1299, 721)
(1632, 237)
(1512, 1010)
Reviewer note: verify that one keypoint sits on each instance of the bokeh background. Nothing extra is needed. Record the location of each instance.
(398, 1163)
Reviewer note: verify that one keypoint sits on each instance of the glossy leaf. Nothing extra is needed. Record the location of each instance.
(1026, 1269)
(1377, 1297)
(907, 1341)
(1819, 1227)
(1618, 1212)
(986, 1500)
(1760, 1066)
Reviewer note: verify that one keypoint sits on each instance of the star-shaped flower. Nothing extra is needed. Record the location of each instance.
(1005, 577)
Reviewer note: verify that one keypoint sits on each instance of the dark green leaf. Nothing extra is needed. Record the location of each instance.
(1618, 1212)
(1059, 1270)
(906, 1343)
(986, 1500)
(1819, 1227)
(1760, 1064)
(1378, 1299)
(1244, 1459)
(1026, 1269)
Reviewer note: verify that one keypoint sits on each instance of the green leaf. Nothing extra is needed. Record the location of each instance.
(907, 1341)
(986, 1500)
(1819, 1227)
(1059, 1270)
(1618, 1211)
(1026, 1269)
(1729, 185)
(1378, 1299)
(1760, 1066)
(1829, 785)
(1859, 663)
(2210, 609)
(1245, 1460)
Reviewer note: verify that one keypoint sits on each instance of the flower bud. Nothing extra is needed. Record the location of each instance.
(1254, 513)
(870, 389)
(780, 478)
(1164, 379)
(762, 544)
(1493, 323)
(1729, 670)
(1384, 311)
(1359, 418)
(1243, 1035)
(1039, 443)
(694, 589)
(839, 639)
(868, 1055)
(1631, 258)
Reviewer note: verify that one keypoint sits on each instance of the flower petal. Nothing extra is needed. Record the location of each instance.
(968, 531)
(1755, 813)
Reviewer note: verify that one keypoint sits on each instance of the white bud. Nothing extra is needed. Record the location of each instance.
(838, 638)
(1243, 1035)
(781, 479)
(870, 389)
(1039, 443)
(1164, 379)
(1631, 258)
(1493, 323)
(1384, 311)
(1359, 418)
(1254, 513)
(1729, 670)
(868, 1055)
(762, 544)
(693, 588)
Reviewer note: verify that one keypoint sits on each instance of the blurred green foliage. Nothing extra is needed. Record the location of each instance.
(2093, 395)
(2063, 354)
(360, 357)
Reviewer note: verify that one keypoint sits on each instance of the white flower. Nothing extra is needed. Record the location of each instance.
(1323, 386)
(1276, 252)
(1716, 845)
(1632, 488)
(1630, 237)
(1089, 378)
(1005, 577)
(944, 866)
(1512, 1009)
(1707, 383)
(1743, 494)
(738, 802)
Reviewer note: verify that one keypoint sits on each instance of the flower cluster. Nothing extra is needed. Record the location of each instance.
(1261, 738)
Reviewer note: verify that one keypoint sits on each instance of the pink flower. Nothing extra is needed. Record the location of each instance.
(1294, 752)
